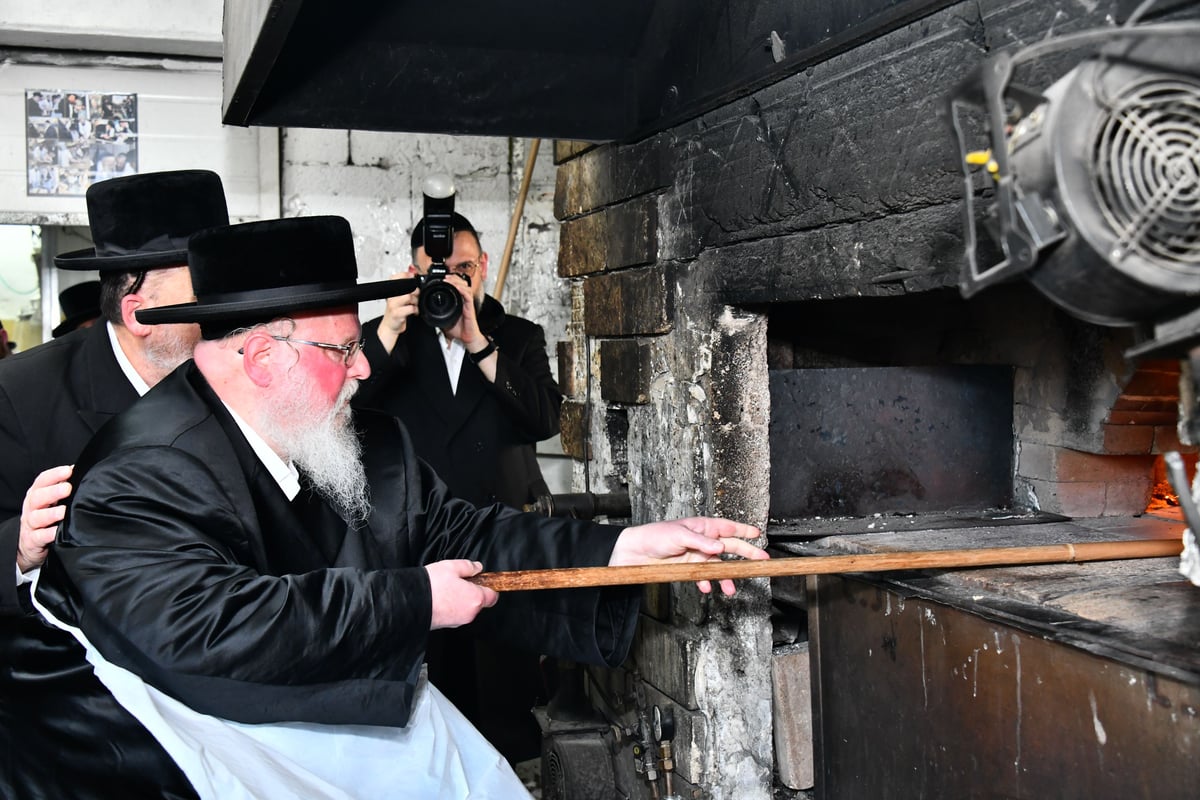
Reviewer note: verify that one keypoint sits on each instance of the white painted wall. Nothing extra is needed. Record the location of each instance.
(115, 26)
(179, 127)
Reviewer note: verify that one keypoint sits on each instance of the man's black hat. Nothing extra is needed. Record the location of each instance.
(141, 222)
(79, 303)
(457, 221)
(258, 271)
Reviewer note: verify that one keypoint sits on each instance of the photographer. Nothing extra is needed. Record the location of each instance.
(475, 398)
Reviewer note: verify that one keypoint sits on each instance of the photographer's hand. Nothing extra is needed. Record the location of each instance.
(397, 312)
(467, 330)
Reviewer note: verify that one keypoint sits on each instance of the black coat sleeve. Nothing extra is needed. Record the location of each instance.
(586, 625)
(383, 365)
(524, 384)
(14, 482)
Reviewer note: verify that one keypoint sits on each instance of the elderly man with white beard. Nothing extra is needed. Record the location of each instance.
(254, 571)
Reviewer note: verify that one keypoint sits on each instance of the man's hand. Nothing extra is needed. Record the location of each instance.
(40, 514)
(466, 330)
(397, 312)
(687, 540)
(457, 601)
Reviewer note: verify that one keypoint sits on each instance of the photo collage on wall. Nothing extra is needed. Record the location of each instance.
(74, 139)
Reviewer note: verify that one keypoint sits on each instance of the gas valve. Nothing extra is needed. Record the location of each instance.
(663, 724)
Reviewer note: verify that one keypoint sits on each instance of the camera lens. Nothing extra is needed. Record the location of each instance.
(440, 304)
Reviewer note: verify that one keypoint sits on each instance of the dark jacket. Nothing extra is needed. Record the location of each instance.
(53, 397)
(182, 560)
(480, 440)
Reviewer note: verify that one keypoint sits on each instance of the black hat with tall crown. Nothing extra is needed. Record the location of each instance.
(141, 222)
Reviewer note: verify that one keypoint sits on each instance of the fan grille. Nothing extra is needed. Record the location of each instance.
(1147, 172)
(554, 779)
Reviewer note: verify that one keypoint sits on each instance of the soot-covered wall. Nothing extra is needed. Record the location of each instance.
(842, 181)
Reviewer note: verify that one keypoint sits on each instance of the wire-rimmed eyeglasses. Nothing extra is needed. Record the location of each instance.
(465, 268)
(348, 351)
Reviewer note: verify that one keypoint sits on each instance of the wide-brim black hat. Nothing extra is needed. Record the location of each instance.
(258, 271)
(142, 222)
(79, 303)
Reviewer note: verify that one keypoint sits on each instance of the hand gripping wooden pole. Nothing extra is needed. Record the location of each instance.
(578, 577)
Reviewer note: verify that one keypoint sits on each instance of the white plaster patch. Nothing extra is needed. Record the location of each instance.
(1101, 735)
(1017, 650)
(1189, 560)
(924, 680)
(735, 323)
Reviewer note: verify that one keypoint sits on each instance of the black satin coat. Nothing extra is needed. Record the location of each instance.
(480, 440)
(53, 397)
(182, 560)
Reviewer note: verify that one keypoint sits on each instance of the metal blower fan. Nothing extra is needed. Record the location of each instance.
(1096, 179)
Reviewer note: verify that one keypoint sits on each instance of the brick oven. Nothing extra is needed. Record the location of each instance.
(768, 325)
(761, 209)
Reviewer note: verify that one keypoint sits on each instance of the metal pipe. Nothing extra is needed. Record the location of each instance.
(583, 505)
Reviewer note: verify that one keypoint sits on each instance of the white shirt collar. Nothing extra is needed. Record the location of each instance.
(284, 472)
(453, 351)
(139, 385)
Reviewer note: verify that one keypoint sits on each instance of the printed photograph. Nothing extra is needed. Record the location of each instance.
(76, 138)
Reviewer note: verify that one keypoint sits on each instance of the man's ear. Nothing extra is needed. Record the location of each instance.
(257, 352)
(130, 303)
(483, 261)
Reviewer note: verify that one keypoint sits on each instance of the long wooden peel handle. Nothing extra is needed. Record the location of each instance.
(578, 577)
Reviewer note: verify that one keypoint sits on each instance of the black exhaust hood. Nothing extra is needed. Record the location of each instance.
(592, 71)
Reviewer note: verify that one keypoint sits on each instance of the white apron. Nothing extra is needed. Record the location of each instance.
(439, 754)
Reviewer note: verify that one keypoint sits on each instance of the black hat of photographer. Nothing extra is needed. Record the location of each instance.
(142, 222)
(79, 303)
(258, 271)
(457, 221)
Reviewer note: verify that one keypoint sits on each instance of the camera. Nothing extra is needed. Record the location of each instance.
(440, 304)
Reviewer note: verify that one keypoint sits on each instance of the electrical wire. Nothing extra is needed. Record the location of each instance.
(1142, 8)
(1102, 36)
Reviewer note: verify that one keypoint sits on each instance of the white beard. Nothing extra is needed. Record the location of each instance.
(322, 444)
